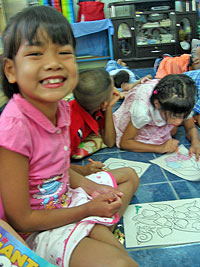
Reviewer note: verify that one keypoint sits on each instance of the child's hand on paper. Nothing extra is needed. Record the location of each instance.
(169, 146)
(195, 149)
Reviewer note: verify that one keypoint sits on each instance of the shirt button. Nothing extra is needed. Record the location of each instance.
(65, 148)
(59, 131)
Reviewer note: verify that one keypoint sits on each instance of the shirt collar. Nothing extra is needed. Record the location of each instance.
(63, 118)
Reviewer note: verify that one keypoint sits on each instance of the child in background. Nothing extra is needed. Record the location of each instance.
(123, 77)
(65, 218)
(91, 110)
(151, 113)
(177, 65)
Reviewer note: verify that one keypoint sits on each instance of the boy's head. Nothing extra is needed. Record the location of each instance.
(93, 89)
(121, 77)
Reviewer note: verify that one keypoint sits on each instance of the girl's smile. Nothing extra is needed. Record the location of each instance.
(44, 71)
(53, 82)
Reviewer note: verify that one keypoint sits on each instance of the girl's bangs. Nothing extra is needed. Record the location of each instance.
(59, 34)
(179, 106)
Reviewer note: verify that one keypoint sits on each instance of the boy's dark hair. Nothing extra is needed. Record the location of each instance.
(24, 27)
(93, 88)
(175, 93)
(121, 77)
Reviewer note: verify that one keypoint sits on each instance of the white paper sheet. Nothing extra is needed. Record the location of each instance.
(162, 223)
(139, 167)
(180, 164)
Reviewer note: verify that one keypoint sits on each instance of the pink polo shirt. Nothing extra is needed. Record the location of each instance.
(25, 130)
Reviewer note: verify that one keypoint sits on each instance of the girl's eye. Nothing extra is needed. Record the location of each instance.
(35, 54)
(65, 53)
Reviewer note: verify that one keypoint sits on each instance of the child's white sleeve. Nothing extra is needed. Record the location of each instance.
(189, 116)
(139, 114)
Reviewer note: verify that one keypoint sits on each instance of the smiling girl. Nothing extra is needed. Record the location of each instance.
(64, 217)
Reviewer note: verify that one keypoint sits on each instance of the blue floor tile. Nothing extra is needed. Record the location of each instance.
(155, 193)
(186, 189)
(175, 256)
(157, 184)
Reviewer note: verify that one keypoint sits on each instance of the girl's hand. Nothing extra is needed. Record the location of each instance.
(126, 86)
(94, 166)
(116, 95)
(145, 78)
(170, 146)
(104, 189)
(104, 205)
(195, 149)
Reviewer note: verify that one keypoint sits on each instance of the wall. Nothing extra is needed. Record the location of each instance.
(13, 6)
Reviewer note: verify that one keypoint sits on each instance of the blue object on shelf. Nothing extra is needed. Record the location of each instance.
(94, 38)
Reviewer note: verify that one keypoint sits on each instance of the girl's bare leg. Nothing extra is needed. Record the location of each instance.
(101, 249)
(127, 181)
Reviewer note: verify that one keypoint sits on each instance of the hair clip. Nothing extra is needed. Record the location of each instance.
(155, 92)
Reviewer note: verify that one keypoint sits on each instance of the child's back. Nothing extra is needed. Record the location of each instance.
(91, 110)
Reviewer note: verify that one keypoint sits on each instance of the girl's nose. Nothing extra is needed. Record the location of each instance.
(52, 63)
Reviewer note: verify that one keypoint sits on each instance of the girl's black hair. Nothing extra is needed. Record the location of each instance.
(175, 93)
(24, 27)
(121, 77)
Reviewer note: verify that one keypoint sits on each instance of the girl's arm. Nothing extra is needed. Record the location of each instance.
(129, 86)
(193, 135)
(15, 198)
(108, 133)
(77, 180)
(128, 142)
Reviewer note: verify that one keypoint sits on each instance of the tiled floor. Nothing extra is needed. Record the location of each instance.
(157, 184)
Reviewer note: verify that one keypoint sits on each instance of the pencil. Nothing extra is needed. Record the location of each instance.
(91, 160)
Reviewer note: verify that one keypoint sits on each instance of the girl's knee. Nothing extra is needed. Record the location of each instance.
(125, 261)
(132, 175)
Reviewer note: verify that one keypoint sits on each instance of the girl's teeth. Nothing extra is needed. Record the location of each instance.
(51, 81)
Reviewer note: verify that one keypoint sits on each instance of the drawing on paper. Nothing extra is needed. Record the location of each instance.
(180, 164)
(139, 167)
(162, 223)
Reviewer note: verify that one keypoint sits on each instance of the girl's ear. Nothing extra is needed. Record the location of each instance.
(9, 70)
(156, 104)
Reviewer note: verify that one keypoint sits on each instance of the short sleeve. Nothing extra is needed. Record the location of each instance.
(189, 116)
(139, 114)
(15, 136)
